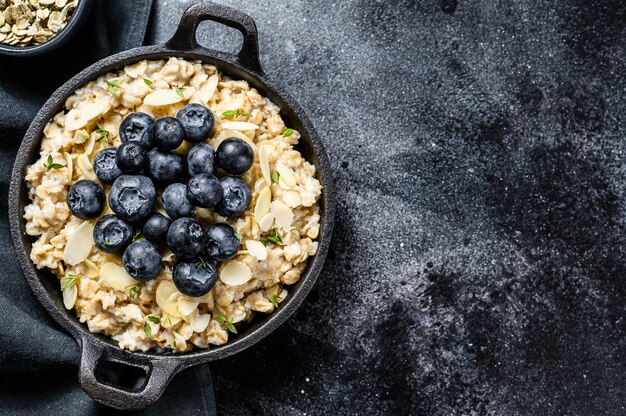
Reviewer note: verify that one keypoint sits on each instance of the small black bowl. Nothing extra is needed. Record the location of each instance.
(76, 21)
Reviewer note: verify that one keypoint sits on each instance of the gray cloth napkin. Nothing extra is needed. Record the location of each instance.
(38, 360)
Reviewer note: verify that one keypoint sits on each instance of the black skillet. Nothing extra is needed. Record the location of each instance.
(98, 349)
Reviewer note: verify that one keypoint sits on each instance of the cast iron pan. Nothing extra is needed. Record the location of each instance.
(98, 349)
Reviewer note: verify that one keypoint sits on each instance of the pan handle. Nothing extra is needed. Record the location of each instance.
(95, 353)
(185, 37)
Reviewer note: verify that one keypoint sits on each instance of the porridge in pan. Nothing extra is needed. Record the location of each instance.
(170, 203)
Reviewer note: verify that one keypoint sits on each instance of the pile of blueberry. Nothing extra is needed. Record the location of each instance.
(143, 165)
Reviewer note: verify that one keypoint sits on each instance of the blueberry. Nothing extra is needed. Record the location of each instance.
(155, 228)
(194, 279)
(186, 238)
(105, 166)
(132, 197)
(201, 159)
(221, 243)
(197, 121)
(112, 234)
(168, 133)
(234, 156)
(137, 127)
(165, 167)
(204, 190)
(131, 157)
(86, 199)
(236, 197)
(142, 260)
(175, 201)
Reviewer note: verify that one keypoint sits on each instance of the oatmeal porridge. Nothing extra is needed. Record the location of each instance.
(276, 229)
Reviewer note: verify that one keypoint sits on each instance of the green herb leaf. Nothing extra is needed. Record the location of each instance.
(147, 330)
(235, 113)
(296, 229)
(175, 348)
(180, 92)
(50, 164)
(138, 235)
(288, 133)
(275, 299)
(201, 263)
(104, 133)
(238, 236)
(154, 319)
(147, 81)
(68, 281)
(133, 292)
(227, 324)
(272, 237)
(106, 243)
(135, 108)
(275, 176)
(112, 86)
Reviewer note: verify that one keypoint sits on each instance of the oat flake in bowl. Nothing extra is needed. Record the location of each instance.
(278, 230)
(33, 22)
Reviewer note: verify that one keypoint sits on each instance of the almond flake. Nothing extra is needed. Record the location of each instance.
(292, 198)
(69, 296)
(286, 175)
(186, 305)
(200, 322)
(73, 120)
(85, 168)
(266, 222)
(162, 97)
(91, 143)
(208, 89)
(69, 165)
(167, 298)
(92, 110)
(79, 244)
(239, 125)
(259, 185)
(256, 249)
(168, 321)
(167, 254)
(89, 269)
(262, 206)
(235, 273)
(116, 277)
(283, 215)
(265, 164)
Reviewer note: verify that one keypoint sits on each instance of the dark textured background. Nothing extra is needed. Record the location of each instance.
(479, 262)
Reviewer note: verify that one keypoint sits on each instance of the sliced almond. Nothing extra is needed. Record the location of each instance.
(167, 254)
(183, 149)
(283, 215)
(186, 305)
(89, 269)
(265, 164)
(167, 298)
(92, 110)
(256, 249)
(79, 244)
(235, 273)
(266, 222)
(200, 322)
(162, 97)
(69, 296)
(85, 168)
(292, 198)
(239, 125)
(259, 185)
(208, 89)
(168, 321)
(286, 174)
(283, 184)
(69, 165)
(116, 277)
(73, 120)
(91, 143)
(262, 206)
